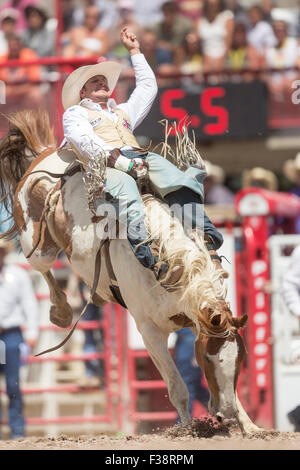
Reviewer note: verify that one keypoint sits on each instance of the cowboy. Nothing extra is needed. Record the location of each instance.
(93, 122)
(291, 170)
(260, 178)
(18, 308)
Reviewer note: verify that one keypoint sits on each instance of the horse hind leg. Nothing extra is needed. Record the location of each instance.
(42, 260)
(61, 314)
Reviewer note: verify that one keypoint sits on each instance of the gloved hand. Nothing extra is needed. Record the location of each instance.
(135, 167)
(139, 168)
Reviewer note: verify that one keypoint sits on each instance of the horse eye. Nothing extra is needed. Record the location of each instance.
(207, 358)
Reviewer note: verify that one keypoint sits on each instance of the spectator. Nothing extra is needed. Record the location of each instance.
(191, 9)
(5, 221)
(188, 58)
(107, 17)
(261, 34)
(68, 12)
(239, 12)
(160, 59)
(8, 20)
(149, 13)
(291, 170)
(18, 308)
(78, 295)
(93, 343)
(188, 368)
(22, 88)
(284, 54)
(125, 17)
(294, 418)
(268, 6)
(88, 39)
(290, 291)
(20, 6)
(242, 55)
(215, 191)
(260, 178)
(172, 30)
(215, 30)
(37, 36)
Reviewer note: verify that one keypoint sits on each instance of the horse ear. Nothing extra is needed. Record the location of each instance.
(240, 322)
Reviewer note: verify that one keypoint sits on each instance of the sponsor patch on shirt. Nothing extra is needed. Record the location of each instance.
(126, 124)
(96, 121)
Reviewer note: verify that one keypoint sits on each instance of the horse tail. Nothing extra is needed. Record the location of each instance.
(29, 133)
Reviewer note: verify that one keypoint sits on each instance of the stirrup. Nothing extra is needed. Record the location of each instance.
(217, 260)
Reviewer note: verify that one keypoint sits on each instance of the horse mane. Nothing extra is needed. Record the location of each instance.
(202, 286)
(29, 134)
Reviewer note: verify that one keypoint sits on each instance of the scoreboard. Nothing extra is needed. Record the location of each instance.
(231, 110)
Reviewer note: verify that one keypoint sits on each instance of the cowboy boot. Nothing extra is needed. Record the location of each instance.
(166, 277)
(214, 256)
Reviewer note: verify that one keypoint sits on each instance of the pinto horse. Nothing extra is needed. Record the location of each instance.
(51, 214)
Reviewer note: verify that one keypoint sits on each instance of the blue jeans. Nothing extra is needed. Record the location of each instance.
(12, 340)
(93, 342)
(189, 371)
(168, 182)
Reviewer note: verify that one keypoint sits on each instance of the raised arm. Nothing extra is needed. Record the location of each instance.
(143, 96)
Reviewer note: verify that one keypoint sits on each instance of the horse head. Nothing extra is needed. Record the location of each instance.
(219, 351)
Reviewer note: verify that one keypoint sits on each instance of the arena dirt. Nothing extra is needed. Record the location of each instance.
(200, 435)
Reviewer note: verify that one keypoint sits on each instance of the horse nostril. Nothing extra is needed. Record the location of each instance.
(219, 418)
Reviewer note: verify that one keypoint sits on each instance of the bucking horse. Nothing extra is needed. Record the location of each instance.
(51, 214)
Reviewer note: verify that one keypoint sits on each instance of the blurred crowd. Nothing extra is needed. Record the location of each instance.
(179, 36)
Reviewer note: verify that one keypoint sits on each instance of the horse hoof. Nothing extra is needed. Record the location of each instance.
(62, 316)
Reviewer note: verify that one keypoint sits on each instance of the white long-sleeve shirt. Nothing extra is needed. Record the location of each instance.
(290, 289)
(261, 36)
(18, 305)
(77, 128)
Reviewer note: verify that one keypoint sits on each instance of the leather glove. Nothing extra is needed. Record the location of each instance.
(139, 169)
(135, 167)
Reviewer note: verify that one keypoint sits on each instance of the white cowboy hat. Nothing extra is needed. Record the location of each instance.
(215, 172)
(291, 169)
(77, 79)
(267, 178)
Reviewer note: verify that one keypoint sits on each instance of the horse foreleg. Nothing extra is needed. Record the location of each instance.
(156, 343)
(61, 313)
(245, 423)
